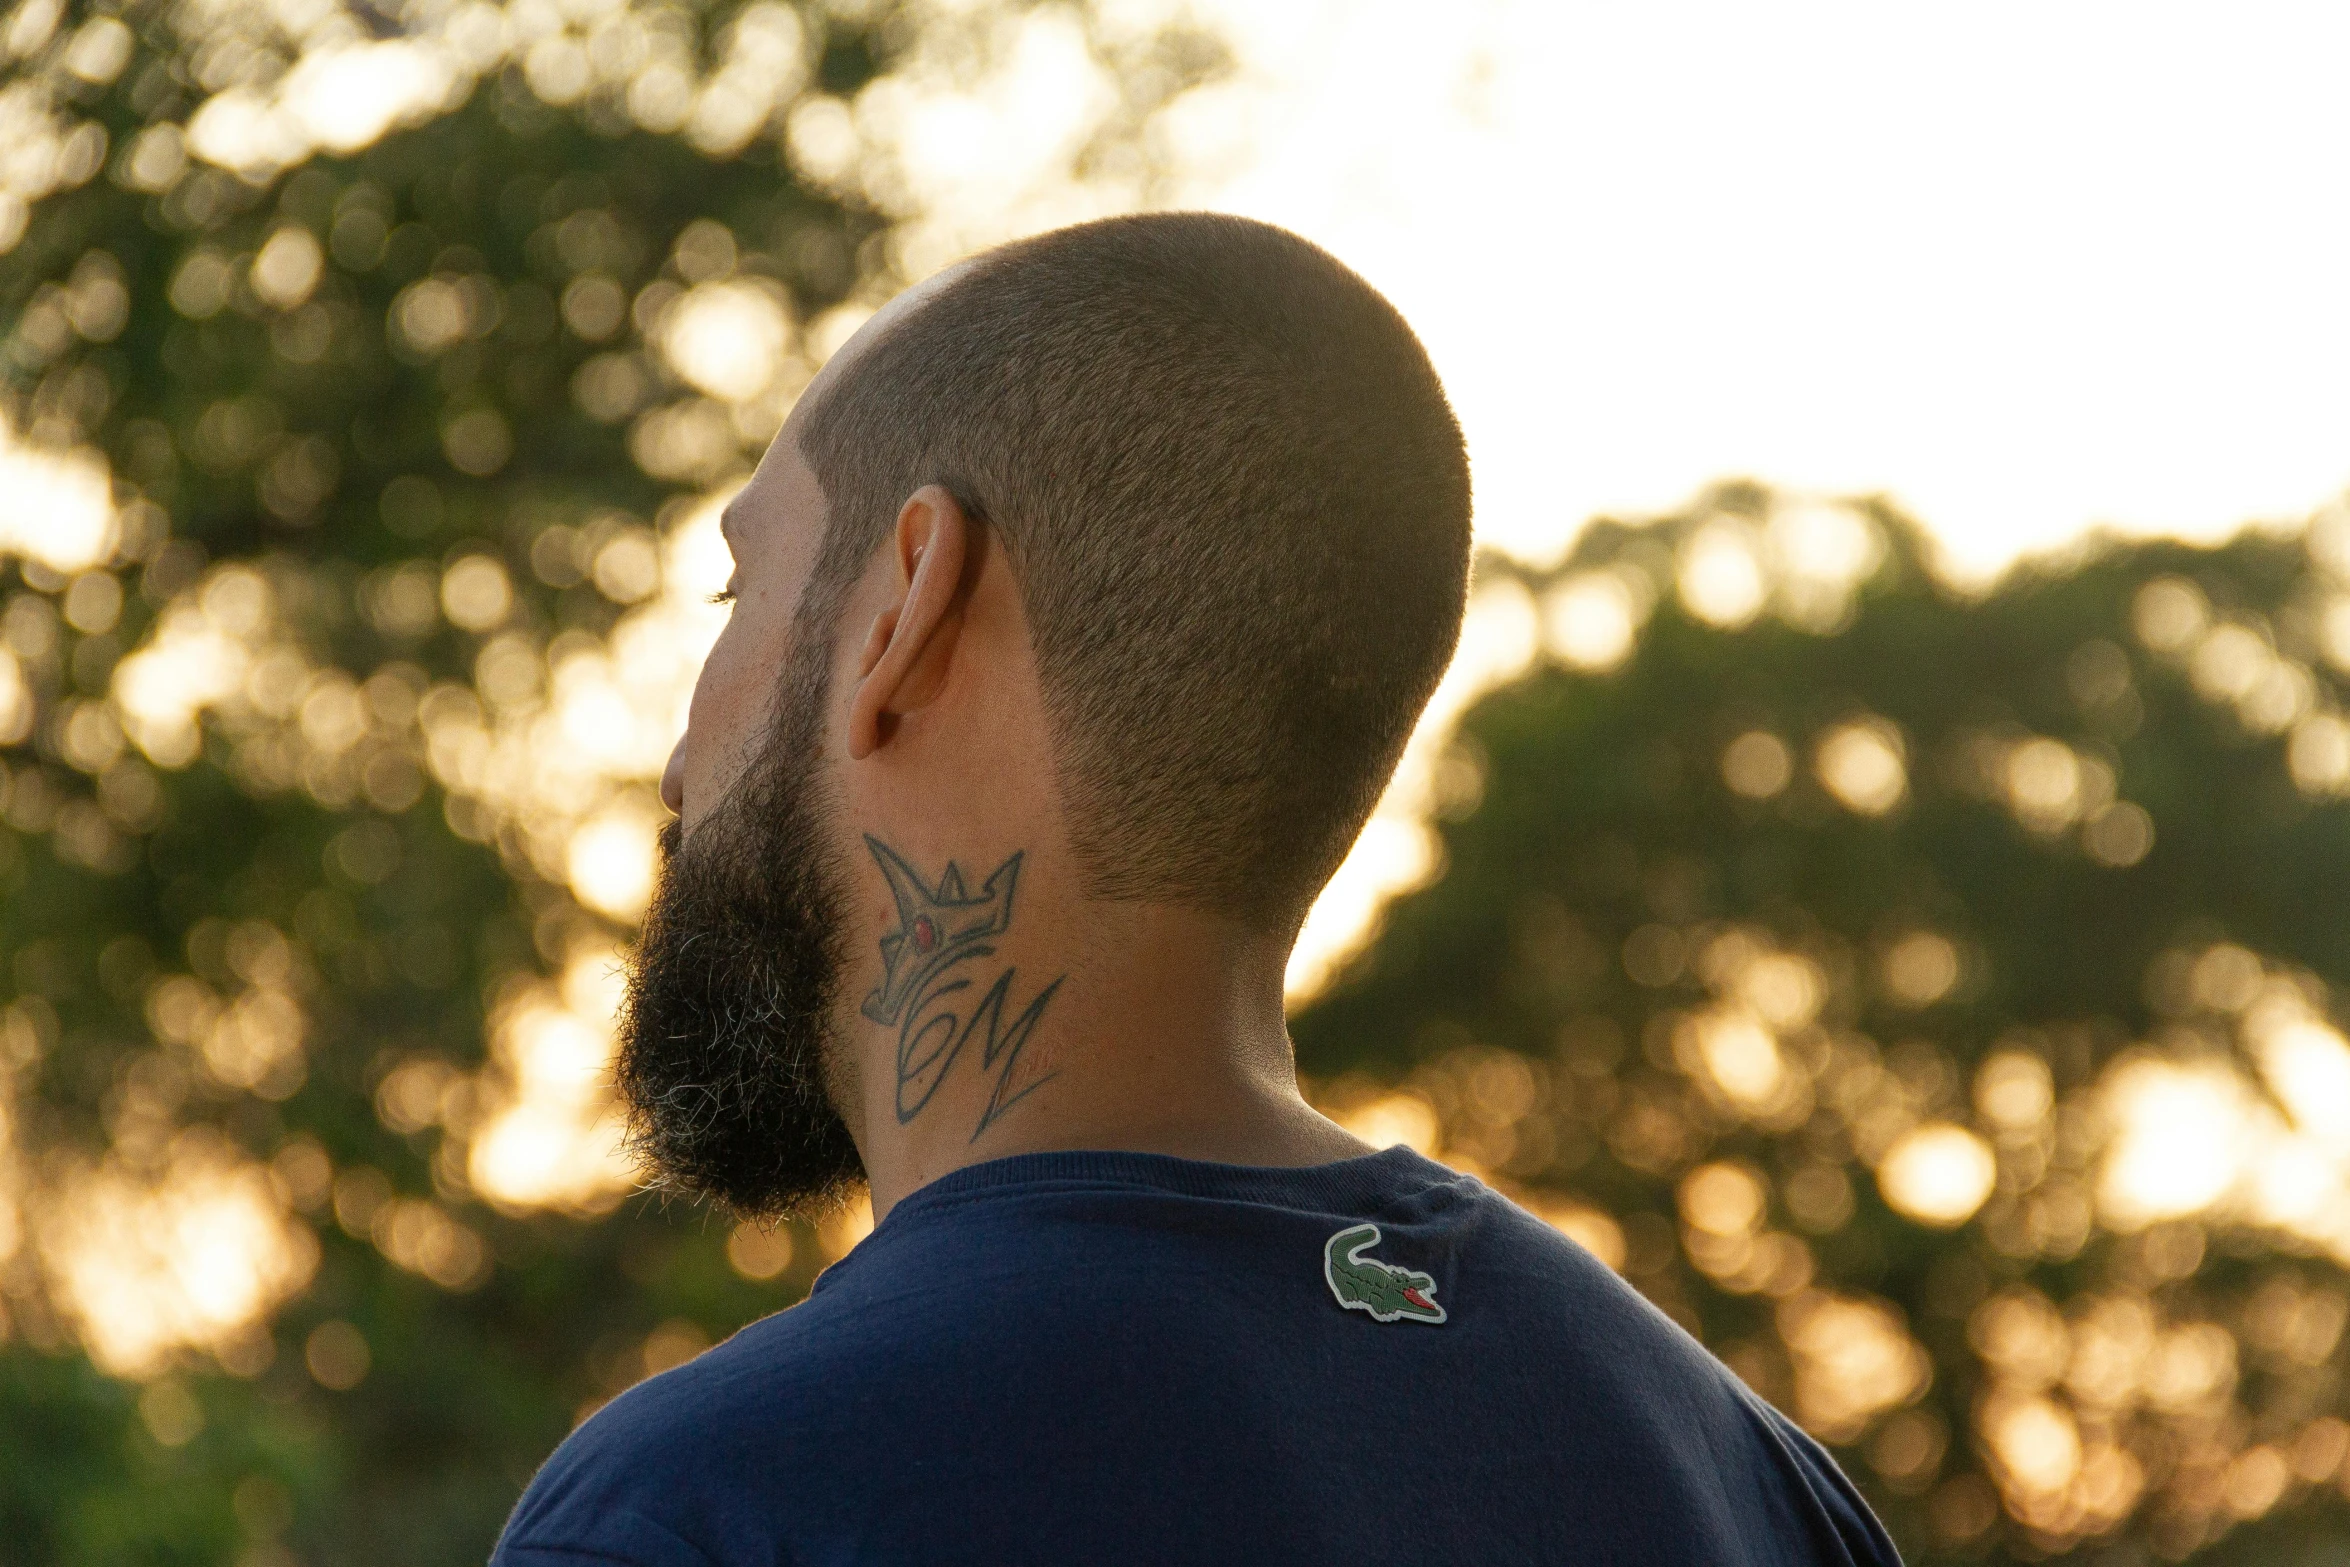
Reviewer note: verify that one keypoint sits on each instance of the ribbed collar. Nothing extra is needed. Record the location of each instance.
(1343, 1183)
(1341, 1186)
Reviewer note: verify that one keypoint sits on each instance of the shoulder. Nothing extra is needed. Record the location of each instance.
(1836, 1503)
(655, 1478)
(1556, 1283)
(1666, 1390)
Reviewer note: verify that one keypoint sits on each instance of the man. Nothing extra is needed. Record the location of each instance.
(1081, 611)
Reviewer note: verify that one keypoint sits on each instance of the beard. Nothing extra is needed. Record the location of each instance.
(727, 1041)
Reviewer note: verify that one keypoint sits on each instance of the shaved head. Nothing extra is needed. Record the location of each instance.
(1237, 504)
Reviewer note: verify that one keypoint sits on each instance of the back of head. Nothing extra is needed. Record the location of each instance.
(1237, 505)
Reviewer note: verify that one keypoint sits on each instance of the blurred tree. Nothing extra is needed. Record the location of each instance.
(1931, 1001)
(1934, 1003)
(370, 374)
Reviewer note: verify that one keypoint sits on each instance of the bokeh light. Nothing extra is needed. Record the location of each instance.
(2131, 1220)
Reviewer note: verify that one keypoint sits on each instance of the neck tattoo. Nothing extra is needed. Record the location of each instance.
(944, 932)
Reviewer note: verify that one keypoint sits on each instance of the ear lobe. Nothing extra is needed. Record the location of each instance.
(911, 644)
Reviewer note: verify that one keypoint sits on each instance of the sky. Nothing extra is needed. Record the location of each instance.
(2028, 269)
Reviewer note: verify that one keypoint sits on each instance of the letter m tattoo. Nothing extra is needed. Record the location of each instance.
(942, 929)
(1005, 1044)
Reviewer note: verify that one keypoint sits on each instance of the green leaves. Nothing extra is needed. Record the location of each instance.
(1923, 999)
(373, 402)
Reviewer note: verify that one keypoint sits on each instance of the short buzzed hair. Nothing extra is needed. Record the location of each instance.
(1236, 503)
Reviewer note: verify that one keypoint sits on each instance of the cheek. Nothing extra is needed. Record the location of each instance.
(718, 721)
(734, 697)
(719, 691)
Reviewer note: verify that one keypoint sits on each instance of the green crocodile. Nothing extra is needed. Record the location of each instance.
(1387, 1292)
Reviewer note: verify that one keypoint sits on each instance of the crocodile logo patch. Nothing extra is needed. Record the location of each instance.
(1387, 1292)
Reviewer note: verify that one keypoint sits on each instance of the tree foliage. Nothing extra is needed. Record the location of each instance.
(369, 372)
(1928, 1000)
(1932, 1002)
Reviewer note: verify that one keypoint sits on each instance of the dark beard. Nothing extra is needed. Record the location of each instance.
(727, 1034)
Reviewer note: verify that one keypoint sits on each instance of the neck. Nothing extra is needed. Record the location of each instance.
(1005, 1014)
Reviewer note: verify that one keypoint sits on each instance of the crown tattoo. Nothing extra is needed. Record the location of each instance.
(936, 925)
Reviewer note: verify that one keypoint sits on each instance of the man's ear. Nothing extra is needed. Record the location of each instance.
(912, 641)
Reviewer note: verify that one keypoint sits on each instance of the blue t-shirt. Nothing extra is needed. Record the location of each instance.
(1128, 1358)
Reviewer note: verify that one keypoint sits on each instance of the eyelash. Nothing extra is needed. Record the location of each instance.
(722, 596)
